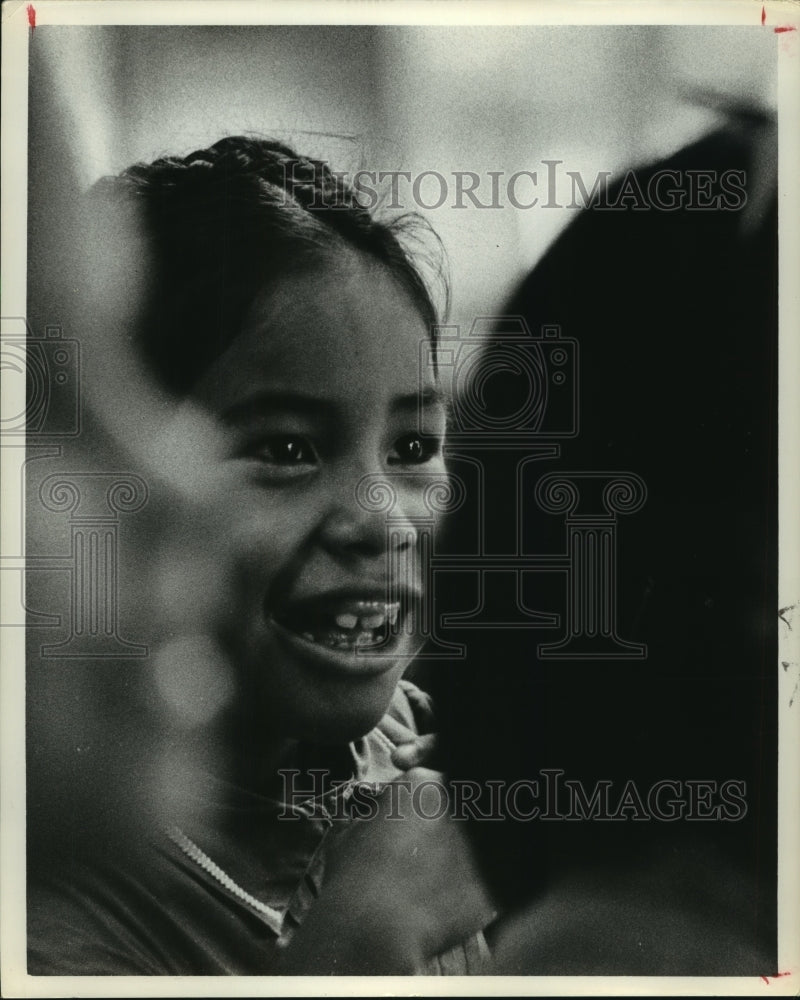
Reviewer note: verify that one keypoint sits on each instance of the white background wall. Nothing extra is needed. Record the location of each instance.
(410, 98)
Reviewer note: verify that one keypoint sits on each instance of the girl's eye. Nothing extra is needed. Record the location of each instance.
(286, 450)
(413, 449)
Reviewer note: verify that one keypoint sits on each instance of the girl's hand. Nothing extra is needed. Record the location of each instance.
(418, 752)
(399, 889)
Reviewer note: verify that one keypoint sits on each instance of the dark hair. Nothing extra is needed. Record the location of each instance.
(222, 222)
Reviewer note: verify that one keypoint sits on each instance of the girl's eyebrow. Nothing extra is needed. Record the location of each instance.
(261, 404)
(268, 402)
(426, 399)
(424, 402)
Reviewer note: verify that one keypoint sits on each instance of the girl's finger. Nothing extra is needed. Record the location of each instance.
(420, 751)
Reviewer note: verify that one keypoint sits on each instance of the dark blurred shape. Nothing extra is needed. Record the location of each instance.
(675, 313)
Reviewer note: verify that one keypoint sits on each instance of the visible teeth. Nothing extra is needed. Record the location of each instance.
(366, 624)
(347, 621)
(375, 615)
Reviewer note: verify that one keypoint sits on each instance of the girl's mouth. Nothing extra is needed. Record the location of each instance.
(348, 625)
(352, 632)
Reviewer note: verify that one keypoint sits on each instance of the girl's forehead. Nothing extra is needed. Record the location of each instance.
(352, 283)
(342, 327)
(360, 310)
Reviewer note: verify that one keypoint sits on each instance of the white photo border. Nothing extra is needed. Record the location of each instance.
(17, 26)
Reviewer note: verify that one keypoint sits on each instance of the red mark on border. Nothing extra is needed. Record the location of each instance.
(763, 15)
(778, 975)
(31, 16)
(779, 31)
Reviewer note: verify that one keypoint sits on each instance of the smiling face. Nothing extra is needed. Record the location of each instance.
(321, 389)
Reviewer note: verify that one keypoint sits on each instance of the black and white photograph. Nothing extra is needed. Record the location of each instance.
(400, 517)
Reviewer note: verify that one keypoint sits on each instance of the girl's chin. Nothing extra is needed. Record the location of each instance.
(328, 714)
(348, 724)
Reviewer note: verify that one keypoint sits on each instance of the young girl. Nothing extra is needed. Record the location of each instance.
(284, 323)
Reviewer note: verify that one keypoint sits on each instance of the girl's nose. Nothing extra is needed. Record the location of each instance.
(356, 531)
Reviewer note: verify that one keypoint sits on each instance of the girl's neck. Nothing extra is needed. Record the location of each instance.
(262, 767)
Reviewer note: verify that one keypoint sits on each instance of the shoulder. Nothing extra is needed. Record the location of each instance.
(92, 921)
(682, 909)
(145, 913)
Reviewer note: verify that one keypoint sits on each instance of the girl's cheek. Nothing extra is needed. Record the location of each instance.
(434, 494)
(264, 536)
(272, 519)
